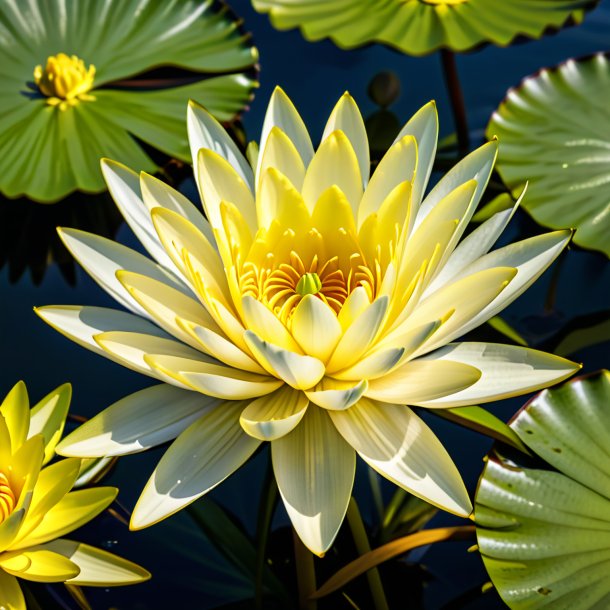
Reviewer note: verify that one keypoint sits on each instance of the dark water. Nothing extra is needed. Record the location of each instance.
(187, 571)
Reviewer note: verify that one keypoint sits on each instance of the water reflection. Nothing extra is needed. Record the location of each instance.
(28, 236)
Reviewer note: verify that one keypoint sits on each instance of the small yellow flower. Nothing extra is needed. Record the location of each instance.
(65, 80)
(310, 306)
(37, 506)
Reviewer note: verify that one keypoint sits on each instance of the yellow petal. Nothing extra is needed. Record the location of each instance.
(315, 327)
(39, 565)
(398, 165)
(337, 395)
(218, 181)
(12, 597)
(165, 304)
(335, 163)
(15, 409)
(359, 335)
(422, 380)
(275, 415)
(300, 372)
(98, 567)
(214, 380)
(347, 118)
(314, 468)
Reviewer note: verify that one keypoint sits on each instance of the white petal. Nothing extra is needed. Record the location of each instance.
(471, 248)
(205, 131)
(275, 415)
(80, 324)
(420, 380)
(156, 193)
(476, 166)
(203, 456)
(98, 567)
(531, 257)
(300, 372)
(124, 186)
(130, 349)
(507, 370)
(399, 445)
(423, 126)
(314, 468)
(282, 113)
(101, 258)
(458, 304)
(347, 118)
(337, 395)
(315, 327)
(137, 422)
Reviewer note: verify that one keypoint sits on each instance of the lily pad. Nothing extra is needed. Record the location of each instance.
(554, 131)
(48, 150)
(418, 27)
(544, 529)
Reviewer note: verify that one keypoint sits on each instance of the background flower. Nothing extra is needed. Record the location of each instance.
(418, 27)
(37, 506)
(50, 146)
(340, 299)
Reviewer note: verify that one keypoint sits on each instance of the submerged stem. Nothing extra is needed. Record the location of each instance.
(362, 546)
(452, 81)
(266, 509)
(306, 575)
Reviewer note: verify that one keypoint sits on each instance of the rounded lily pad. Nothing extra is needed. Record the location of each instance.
(418, 27)
(554, 131)
(50, 146)
(544, 529)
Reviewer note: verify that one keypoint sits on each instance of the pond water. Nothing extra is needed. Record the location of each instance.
(188, 572)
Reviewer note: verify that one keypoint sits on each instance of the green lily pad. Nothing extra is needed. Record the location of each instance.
(47, 152)
(418, 27)
(544, 530)
(554, 131)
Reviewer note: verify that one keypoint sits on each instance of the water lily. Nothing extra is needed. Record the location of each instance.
(418, 27)
(307, 308)
(67, 94)
(37, 507)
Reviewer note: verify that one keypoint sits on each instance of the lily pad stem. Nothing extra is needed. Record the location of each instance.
(452, 81)
(361, 541)
(306, 574)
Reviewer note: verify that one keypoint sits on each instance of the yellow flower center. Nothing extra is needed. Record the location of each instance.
(65, 80)
(7, 497)
(308, 284)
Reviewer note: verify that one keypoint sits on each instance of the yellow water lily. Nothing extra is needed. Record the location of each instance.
(307, 308)
(37, 506)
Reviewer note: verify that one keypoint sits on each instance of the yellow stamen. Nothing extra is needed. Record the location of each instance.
(65, 80)
(7, 498)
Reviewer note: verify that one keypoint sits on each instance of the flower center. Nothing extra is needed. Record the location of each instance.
(65, 80)
(7, 498)
(308, 284)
